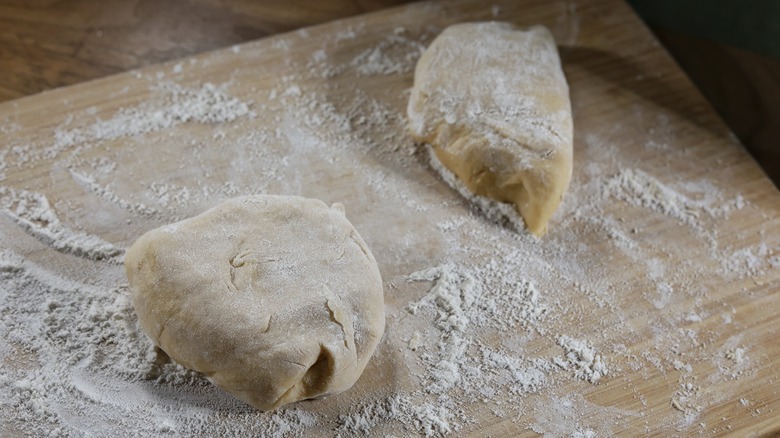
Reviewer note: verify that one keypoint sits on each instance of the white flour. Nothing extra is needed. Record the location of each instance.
(460, 306)
(426, 419)
(207, 104)
(95, 371)
(395, 54)
(581, 359)
(105, 193)
(641, 189)
(452, 297)
(484, 321)
(31, 211)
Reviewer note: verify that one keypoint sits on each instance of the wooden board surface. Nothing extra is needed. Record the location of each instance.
(664, 258)
(57, 43)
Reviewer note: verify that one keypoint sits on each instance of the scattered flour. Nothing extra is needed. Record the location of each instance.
(95, 371)
(643, 190)
(106, 194)
(208, 104)
(583, 433)
(581, 359)
(523, 376)
(746, 262)
(461, 306)
(483, 340)
(31, 211)
(395, 54)
(426, 419)
(452, 296)
(166, 194)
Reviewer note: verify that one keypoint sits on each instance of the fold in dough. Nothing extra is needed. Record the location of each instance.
(492, 102)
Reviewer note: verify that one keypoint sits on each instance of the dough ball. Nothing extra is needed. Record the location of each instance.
(492, 102)
(274, 299)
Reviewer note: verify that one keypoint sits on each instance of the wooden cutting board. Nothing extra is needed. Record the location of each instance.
(664, 258)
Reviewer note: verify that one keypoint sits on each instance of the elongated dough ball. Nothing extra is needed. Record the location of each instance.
(274, 299)
(492, 102)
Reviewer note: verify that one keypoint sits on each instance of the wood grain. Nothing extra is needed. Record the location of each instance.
(633, 109)
(53, 43)
(742, 86)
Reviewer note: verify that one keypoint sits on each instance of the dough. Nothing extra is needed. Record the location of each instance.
(492, 102)
(274, 299)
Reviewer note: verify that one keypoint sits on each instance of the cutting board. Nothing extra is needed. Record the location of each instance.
(650, 307)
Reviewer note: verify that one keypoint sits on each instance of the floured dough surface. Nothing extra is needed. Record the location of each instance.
(274, 298)
(493, 103)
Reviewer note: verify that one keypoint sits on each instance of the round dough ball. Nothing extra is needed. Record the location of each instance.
(274, 299)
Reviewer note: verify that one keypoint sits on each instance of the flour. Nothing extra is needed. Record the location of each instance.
(208, 104)
(369, 416)
(106, 194)
(452, 297)
(746, 262)
(524, 376)
(514, 302)
(461, 305)
(684, 400)
(584, 433)
(484, 324)
(348, 34)
(3, 163)
(641, 189)
(737, 355)
(32, 213)
(393, 55)
(42, 313)
(734, 360)
(167, 194)
(582, 359)
(96, 370)
(425, 419)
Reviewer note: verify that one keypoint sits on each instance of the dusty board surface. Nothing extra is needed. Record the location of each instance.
(649, 307)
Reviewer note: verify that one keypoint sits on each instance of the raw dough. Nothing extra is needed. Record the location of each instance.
(492, 102)
(274, 298)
